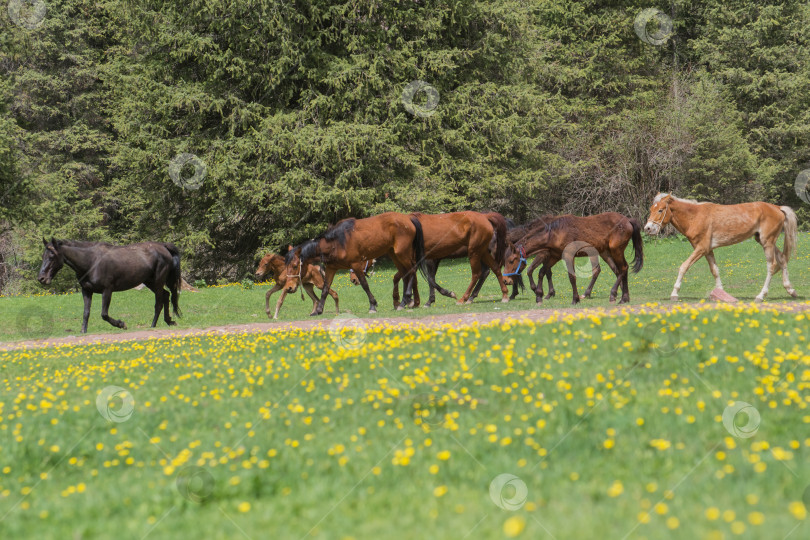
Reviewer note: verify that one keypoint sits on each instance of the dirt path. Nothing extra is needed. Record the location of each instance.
(324, 322)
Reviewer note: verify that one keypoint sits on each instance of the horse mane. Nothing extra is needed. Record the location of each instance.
(339, 232)
(679, 199)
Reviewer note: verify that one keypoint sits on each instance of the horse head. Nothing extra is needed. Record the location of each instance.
(52, 261)
(660, 214)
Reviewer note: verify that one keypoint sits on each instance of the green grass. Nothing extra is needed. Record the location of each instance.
(742, 269)
(291, 435)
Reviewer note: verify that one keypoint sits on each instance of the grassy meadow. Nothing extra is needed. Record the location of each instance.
(742, 269)
(691, 424)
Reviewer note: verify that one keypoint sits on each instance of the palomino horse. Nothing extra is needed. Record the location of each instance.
(358, 240)
(464, 234)
(103, 268)
(566, 237)
(708, 226)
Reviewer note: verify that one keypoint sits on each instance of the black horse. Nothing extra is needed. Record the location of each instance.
(103, 268)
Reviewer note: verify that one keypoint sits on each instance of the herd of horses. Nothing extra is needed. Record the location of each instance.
(417, 243)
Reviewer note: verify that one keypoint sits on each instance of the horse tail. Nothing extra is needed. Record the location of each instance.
(638, 246)
(174, 280)
(791, 235)
(499, 224)
(419, 252)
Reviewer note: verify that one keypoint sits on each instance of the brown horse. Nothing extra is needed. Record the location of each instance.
(708, 226)
(358, 240)
(464, 234)
(433, 267)
(603, 235)
(516, 259)
(273, 264)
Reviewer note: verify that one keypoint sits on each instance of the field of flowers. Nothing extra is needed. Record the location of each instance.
(689, 424)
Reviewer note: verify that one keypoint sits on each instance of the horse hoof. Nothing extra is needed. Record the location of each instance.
(759, 299)
(372, 311)
(612, 299)
(792, 292)
(673, 298)
(624, 301)
(123, 326)
(503, 301)
(171, 323)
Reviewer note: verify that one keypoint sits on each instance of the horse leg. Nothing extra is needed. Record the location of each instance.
(416, 300)
(715, 270)
(612, 265)
(327, 283)
(780, 258)
(397, 277)
(595, 271)
(551, 292)
(475, 267)
(538, 260)
(433, 268)
(167, 318)
(87, 294)
(489, 260)
(281, 302)
(572, 277)
(158, 304)
(442, 290)
(361, 277)
(267, 296)
(623, 269)
(484, 273)
(333, 293)
(692, 259)
(106, 298)
(771, 268)
(310, 290)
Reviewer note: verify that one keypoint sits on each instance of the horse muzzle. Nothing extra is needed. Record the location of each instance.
(44, 280)
(652, 228)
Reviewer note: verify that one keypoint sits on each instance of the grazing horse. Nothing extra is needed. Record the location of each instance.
(566, 237)
(464, 234)
(273, 264)
(708, 226)
(358, 240)
(103, 268)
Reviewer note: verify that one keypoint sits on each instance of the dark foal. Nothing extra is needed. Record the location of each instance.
(103, 269)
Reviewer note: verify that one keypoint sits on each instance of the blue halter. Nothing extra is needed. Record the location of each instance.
(521, 264)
